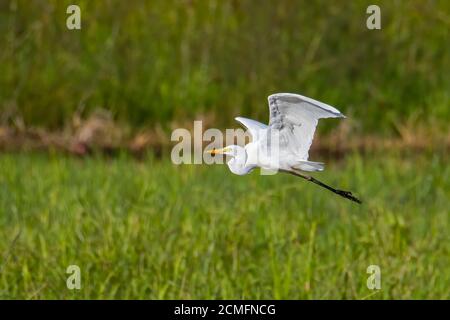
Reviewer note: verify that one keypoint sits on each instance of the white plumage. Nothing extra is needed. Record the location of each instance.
(283, 144)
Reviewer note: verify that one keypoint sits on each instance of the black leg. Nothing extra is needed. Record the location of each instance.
(342, 193)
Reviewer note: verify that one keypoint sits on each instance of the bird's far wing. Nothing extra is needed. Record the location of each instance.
(254, 127)
(296, 118)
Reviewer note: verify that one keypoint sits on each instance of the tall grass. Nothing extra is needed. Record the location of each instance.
(151, 230)
(160, 61)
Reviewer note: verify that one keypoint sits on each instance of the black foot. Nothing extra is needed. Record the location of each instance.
(348, 195)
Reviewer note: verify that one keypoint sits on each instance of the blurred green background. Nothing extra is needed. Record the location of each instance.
(159, 61)
(148, 229)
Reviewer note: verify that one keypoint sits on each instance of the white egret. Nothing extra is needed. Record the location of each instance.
(283, 145)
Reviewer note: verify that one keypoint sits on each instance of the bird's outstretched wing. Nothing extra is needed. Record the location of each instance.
(296, 118)
(254, 127)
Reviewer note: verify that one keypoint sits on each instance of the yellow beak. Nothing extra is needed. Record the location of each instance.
(216, 151)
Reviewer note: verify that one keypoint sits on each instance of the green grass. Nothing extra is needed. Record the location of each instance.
(151, 230)
(169, 61)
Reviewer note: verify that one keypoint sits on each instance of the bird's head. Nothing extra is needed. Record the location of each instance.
(237, 163)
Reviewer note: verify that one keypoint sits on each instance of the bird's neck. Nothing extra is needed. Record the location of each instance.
(238, 164)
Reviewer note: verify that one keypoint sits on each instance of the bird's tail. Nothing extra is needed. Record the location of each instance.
(310, 166)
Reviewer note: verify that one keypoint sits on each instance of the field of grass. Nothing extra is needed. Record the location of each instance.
(148, 229)
(151, 230)
(150, 62)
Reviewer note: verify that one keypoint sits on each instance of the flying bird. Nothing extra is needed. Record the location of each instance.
(284, 144)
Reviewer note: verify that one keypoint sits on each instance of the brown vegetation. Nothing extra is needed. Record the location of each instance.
(100, 133)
